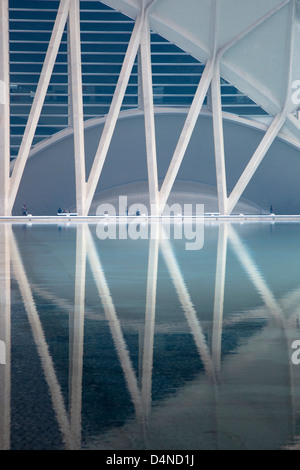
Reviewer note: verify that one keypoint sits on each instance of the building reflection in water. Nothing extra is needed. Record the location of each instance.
(228, 412)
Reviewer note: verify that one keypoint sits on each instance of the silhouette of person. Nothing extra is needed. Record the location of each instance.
(24, 210)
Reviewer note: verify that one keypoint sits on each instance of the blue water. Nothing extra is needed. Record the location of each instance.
(103, 351)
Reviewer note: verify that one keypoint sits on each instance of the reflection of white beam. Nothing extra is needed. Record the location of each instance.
(76, 338)
(289, 329)
(212, 67)
(217, 115)
(4, 108)
(292, 334)
(219, 297)
(41, 344)
(114, 325)
(77, 103)
(211, 73)
(38, 101)
(188, 307)
(254, 274)
(5, 337)
(290, 306)
(219, 139)
(255, 161)
(150, 317)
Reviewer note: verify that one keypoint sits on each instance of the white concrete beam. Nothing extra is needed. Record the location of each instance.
(219, 297)
(113, 113)
(148, 107)
(114, 110)
(140, 83)
(5, 336)
(188, 308)
(4, 109)
(254, 274)
(271, 133)
(38, 101)
(41, 345)
(195, 108)
(77, 104)
(77, 337)
(70, 104)
(219, 140)
(114, 325)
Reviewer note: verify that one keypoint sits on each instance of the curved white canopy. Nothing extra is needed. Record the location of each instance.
(257, 43)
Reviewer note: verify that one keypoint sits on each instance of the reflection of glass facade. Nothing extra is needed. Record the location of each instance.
(104, 37)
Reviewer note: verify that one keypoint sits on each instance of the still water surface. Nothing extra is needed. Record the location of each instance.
(138, 344)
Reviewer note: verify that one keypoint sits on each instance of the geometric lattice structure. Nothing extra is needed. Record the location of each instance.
(256, 54)
(105, 34)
